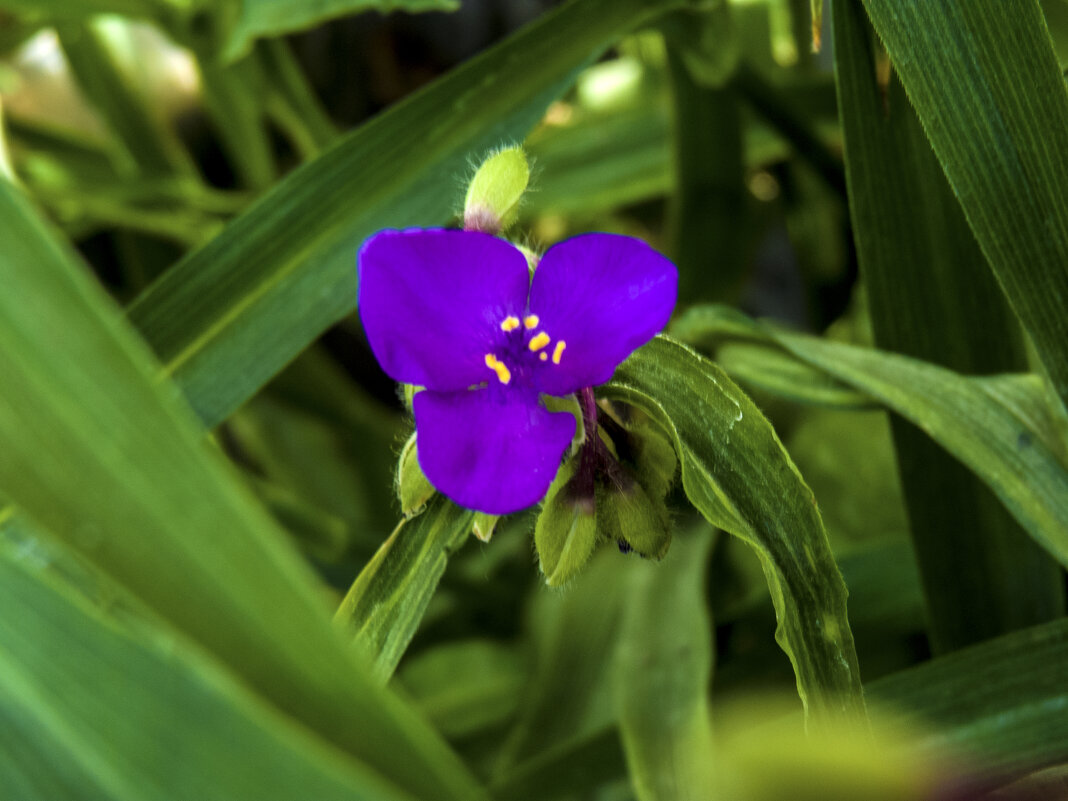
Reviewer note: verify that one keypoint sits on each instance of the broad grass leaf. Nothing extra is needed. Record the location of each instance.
(985, 83)
(932, 297)
(1002, 702)
(111, 462)
(91, 708)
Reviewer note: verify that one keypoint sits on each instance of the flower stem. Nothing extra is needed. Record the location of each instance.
(589, 412)
(595, 459)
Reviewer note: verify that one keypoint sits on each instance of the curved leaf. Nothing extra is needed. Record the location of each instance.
(1002, 427)
(737, 474)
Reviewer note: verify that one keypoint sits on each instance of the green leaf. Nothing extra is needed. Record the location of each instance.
(1001, 702)
(231, 314)
(737, 474)
(110, 461)
(92, 710)
(384, 606)
(572, 644)
(786, 377)
(271, 18)
(1002, 427)
(931, 298)
(663, 674)
(465, 687)
(985, 83)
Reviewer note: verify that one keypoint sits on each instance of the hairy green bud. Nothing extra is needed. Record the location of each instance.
(565, 535)
(634, 521)
(492, 202)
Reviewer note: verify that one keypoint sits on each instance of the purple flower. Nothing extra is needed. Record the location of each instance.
(457, 313)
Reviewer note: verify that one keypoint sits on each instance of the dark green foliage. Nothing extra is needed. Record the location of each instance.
(223, 574)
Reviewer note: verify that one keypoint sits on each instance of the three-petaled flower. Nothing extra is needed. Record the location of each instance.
(457, 312)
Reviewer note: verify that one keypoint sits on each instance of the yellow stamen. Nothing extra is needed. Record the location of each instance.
(559, 351)
(531, 321)
(510, 323)
(504, 375)
(543, 356)
(539, 341)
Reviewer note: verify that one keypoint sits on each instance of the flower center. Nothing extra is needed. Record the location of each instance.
(536, 344)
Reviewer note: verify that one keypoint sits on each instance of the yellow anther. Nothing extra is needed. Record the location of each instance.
(504, 375)
(543, 356)
(531, 321)
(539, 341)
(510, 323)
(559, 351)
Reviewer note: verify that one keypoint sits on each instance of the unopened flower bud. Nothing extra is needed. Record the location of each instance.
(413, 489)
(634, 521)
(492, 202)
(565, 535)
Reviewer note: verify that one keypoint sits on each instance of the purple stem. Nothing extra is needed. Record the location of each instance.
(589, 412)
(594, 456)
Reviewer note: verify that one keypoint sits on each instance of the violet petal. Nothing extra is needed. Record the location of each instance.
(601, 296)
(432, 301)
(490, 450)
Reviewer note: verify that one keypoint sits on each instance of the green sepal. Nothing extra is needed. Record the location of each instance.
(492, 202)
(413, 488)
(565, 534)
(483, 525)
(633, 520)
(655, 463)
